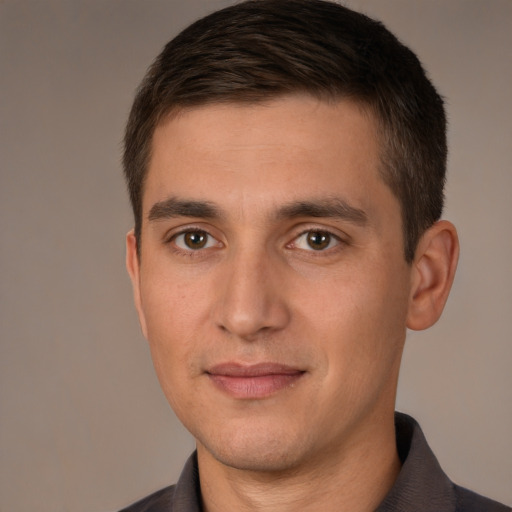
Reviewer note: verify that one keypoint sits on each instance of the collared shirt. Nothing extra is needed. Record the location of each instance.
(421, 486)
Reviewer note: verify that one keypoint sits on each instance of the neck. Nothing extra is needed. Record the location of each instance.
(356, 477)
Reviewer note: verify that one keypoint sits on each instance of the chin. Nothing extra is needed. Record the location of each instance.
(253, 453)
(256, 460)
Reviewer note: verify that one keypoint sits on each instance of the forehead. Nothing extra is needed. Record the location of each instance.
(298, 117)
(280, 150)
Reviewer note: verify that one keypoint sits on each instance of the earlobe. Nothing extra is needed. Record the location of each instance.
(133, 268)
(433, 271)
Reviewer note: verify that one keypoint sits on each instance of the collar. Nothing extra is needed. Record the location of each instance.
(421, 485)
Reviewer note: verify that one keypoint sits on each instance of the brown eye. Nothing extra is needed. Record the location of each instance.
(318, 240)
(194, 240)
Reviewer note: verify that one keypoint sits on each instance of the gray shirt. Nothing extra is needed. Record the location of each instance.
(421, 486)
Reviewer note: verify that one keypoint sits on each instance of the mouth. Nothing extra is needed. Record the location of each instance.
(252, 382)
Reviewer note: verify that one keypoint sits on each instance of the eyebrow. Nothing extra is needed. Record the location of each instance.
(173, 207)
(328, 208)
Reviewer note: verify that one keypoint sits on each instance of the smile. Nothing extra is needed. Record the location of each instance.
(254, 381)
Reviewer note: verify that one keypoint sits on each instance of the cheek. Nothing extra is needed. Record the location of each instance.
(170, 321)
(172, 301)
(360, 320)
(174, 311)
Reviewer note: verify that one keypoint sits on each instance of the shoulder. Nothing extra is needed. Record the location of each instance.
(160, 501)
(422, 485)
(469, 501)
(185, 496)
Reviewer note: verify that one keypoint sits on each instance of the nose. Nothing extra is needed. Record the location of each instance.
(252, 300)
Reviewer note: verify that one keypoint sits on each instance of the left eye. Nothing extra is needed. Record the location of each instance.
(316, 241)
(194, 240)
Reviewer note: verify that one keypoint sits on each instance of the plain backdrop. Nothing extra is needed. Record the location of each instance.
(84, 425)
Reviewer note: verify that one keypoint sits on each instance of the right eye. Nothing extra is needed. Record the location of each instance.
(194, 240)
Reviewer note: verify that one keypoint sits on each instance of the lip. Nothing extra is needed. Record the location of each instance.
(254, 381)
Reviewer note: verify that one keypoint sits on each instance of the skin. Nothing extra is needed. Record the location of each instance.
(269, 238)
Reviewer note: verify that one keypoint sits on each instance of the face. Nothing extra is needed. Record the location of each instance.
(272, 285)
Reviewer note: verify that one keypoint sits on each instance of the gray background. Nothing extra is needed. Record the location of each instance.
(84, 425)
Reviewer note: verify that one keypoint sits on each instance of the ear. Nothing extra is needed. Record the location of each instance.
(432, 275)
(133, 267)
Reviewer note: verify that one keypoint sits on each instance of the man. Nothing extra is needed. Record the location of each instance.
(286, 162)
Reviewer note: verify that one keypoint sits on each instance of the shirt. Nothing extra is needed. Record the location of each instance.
(421, 486)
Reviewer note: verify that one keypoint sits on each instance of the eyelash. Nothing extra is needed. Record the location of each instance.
(332, 238)
(190, 252)
(171, 240)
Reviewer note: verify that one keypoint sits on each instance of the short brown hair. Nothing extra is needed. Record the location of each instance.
(262, 49)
